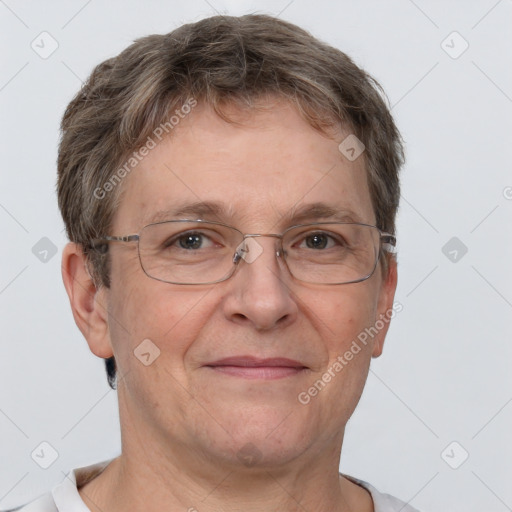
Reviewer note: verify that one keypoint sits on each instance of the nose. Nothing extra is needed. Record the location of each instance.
(260, 291)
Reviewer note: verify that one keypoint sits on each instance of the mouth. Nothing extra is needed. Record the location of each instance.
(248, 367)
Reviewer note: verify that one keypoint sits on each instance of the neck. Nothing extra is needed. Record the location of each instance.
(155, 482)
(157, 472)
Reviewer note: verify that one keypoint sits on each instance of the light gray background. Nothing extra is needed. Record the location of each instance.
(444, 375)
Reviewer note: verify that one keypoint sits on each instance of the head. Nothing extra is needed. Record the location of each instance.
(247, 113)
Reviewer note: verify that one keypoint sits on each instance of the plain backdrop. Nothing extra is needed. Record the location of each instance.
(442, 390)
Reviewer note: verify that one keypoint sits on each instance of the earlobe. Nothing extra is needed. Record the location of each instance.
(88, 302)
(385, 310)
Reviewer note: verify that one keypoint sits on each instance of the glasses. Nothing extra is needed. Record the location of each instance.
(194, 252)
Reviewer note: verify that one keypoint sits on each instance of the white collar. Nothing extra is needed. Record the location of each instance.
(67, 498)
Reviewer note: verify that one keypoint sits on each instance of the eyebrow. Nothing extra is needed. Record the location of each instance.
(196, 210)
(207, 210)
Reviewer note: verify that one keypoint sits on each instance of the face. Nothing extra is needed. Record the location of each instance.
(261, 176)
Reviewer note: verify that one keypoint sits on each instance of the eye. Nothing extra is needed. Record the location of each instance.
(190, 241)
(319, 241)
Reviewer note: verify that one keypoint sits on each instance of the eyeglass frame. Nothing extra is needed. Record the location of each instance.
(384, 239)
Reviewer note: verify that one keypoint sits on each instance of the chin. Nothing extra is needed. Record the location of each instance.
(263, 453)
(267, 438)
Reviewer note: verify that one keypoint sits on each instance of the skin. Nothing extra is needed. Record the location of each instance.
(184, 425)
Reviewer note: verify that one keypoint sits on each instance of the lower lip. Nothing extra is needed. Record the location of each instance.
(258, 372)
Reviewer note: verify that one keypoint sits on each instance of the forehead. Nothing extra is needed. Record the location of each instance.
(267, 168)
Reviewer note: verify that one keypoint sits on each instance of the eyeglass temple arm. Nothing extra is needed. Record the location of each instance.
(388, 241)
(100, 244)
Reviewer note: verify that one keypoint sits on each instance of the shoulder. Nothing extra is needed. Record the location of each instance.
(383, 502)
(44, 503)
(64, 497)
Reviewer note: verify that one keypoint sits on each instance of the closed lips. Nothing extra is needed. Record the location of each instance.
(247, 367)
(248, 361)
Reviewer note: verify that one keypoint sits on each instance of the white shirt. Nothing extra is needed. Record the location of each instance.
(64, 497)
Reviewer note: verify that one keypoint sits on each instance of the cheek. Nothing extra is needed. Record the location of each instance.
(338, 319)
(340, 315)
(170, 317)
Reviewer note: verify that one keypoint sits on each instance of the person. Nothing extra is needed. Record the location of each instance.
(229, 192)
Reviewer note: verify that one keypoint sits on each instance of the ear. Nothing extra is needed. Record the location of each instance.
(88, 303)
(385, 309)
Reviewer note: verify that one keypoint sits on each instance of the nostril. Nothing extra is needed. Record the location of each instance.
(239, 316)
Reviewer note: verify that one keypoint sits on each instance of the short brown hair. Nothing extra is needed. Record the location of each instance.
(221, 60)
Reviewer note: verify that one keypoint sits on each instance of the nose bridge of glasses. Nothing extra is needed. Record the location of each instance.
(255, 235)
(249, 249)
